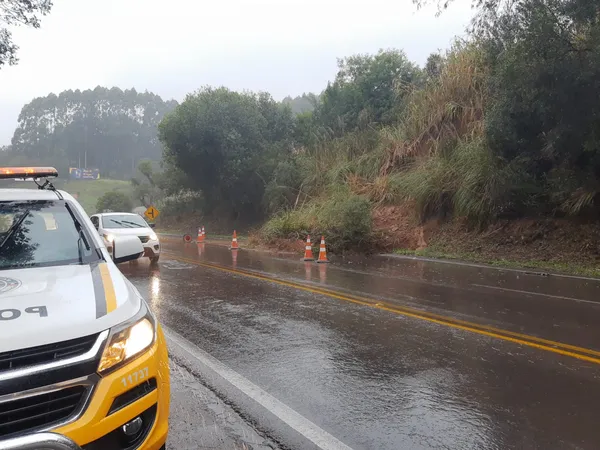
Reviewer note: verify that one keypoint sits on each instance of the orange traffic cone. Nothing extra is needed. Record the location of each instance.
(308, 254)
(203, 233)
(200, 238)
(234, 242)
(322, 252)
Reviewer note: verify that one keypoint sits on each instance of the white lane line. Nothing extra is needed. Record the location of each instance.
(560, 297)
(301, 424)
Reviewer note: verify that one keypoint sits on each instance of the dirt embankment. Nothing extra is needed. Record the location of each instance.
(551, 243)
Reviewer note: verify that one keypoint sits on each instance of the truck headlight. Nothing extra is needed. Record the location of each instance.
(127, 342)
(153, 237)
(109, 237)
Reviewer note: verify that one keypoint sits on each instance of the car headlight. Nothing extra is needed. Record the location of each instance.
(128, 341)
(109, 237)
(153, 237)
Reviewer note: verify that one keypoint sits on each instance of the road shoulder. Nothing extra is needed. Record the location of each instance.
(199, 419)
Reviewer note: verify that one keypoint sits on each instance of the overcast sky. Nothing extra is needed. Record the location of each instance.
(174, 47)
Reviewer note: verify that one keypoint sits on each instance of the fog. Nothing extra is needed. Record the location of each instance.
(173, 48)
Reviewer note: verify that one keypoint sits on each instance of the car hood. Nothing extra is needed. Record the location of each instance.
(51, 304)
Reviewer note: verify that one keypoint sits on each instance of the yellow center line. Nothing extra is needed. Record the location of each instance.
(573, 351)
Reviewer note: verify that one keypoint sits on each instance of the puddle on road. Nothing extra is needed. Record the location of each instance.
(176, 265)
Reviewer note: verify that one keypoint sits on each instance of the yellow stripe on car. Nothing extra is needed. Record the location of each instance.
(109, 288)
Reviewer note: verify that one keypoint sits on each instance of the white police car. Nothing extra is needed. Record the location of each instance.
(83, 361)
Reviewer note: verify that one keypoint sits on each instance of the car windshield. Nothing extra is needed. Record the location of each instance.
(41, 233)
(123, 221)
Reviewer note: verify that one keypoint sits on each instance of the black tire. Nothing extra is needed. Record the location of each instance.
(154, 259)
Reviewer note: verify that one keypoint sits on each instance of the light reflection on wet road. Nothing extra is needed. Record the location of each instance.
(378, 380)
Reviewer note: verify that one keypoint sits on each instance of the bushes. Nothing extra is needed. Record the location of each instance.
(185, 202)
(347, 221)
(114, 201)
(344, 218)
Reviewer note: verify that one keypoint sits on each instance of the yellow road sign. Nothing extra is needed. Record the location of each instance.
(151, 213)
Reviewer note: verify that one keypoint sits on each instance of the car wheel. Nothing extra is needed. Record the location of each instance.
(154, 259)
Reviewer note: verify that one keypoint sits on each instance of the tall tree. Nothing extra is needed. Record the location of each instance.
(302, 103)
(146, 186)
(108, 129)
(228, 143)
(545, 113)
(367, 89)
(14, 13)
(434, 65)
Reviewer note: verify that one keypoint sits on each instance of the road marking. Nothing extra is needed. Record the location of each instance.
(301, 424)
(573, 351)
(519, 291)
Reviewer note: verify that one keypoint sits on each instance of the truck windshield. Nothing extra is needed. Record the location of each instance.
(41, 233)
(123, 221)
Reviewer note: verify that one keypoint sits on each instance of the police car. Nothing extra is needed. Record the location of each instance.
(83, 361)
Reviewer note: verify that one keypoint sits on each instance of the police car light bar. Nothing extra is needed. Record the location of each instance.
(27, 172)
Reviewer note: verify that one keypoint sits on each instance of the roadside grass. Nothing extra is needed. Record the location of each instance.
(548, 266)
(87, 191)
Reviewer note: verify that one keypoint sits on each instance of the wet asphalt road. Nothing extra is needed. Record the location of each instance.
(430, 363)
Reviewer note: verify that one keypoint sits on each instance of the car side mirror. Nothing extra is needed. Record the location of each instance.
(126, 248)
(152, 225)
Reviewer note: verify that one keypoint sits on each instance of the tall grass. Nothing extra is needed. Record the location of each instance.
(437, 156)
(343, 217)
(447, 109)
(467, 182)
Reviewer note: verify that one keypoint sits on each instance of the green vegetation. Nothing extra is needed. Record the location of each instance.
(343, 217)
(107, 129)
(89, 191)
(302, 103)
(503, 125)
(228, 144)
(492, 129)
(114, 201)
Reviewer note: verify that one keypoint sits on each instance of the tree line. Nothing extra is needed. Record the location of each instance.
(108, 129)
